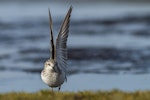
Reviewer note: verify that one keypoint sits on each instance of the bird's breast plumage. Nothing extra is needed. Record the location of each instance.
(52, 79)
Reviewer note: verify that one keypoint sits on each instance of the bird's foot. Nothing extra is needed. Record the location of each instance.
(59, 88)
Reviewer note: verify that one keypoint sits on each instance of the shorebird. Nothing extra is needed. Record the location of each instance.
(54, 73)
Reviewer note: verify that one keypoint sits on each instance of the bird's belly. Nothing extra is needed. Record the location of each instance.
(53, 79)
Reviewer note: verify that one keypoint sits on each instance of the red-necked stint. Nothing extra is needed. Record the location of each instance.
(54, 73)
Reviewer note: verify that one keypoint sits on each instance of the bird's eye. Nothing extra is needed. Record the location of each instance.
(48, 64)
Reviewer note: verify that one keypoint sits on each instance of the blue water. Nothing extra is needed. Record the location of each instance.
(106, 40)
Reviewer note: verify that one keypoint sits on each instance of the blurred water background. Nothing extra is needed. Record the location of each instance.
(108, 44)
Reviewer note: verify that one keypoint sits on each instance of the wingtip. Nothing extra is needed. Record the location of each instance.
(49, 12)
(71, 7)
(50, 19)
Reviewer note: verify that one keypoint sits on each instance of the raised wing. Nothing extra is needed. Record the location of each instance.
(61, 43)
(51, 36)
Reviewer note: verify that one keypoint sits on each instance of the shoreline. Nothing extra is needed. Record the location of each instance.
(88, 95)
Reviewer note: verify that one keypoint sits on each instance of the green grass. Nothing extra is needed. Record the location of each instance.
(86, 95)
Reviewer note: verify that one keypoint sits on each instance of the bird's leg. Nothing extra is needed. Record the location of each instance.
(66, 78)
(59, 88)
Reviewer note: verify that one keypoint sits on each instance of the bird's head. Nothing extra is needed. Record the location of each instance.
(50, 64)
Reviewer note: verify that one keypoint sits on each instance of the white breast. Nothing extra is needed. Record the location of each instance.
(52, 79)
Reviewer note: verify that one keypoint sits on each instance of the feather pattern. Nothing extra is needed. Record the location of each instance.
(51, 36)
(54, 72)
(61, 42)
